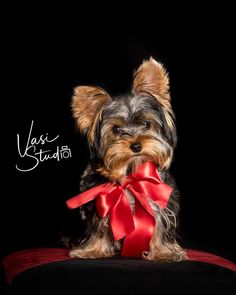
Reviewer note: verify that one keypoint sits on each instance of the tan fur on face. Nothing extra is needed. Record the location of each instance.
(119, 155)
(152, 78)
(87, 103)
(107, 135)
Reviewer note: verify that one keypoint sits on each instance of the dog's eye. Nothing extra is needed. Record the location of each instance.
(116, 130)
(146, 124)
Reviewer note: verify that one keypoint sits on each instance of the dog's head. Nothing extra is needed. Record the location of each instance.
(128, 130)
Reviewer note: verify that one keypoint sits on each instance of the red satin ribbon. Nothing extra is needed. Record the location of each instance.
(111, 200)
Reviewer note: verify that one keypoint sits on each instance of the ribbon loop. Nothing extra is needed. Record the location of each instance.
(104, 203)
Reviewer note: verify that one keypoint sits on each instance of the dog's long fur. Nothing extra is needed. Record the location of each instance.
(124, 132)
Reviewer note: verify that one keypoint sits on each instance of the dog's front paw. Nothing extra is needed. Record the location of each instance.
(90, 253)
(170, 252)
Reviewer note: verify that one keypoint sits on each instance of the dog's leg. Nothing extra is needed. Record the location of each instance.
(100, 244)
(163, 246)
(164, 252)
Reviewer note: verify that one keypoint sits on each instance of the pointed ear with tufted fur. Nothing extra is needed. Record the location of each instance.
(87, 104)
(151, 78)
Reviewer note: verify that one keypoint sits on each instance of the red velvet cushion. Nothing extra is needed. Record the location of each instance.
(17, 262)
(195, 255)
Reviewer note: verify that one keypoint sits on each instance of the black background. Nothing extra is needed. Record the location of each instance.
(45, 60)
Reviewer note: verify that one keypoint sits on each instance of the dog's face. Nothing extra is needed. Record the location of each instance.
(126, 131)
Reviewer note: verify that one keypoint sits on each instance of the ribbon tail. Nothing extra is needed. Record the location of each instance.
(121, 219)
(84, 197)
(138, 241)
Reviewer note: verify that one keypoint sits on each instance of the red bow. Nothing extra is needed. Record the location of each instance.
(137, 227)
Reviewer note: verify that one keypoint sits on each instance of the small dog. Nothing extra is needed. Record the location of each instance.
(124, 133)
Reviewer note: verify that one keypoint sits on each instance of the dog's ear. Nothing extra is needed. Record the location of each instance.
(152, 78)
(87, 104)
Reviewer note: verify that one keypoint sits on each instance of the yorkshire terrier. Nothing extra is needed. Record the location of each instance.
(124, 133)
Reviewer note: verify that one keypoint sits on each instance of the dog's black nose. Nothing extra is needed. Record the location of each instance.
(136, 147)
